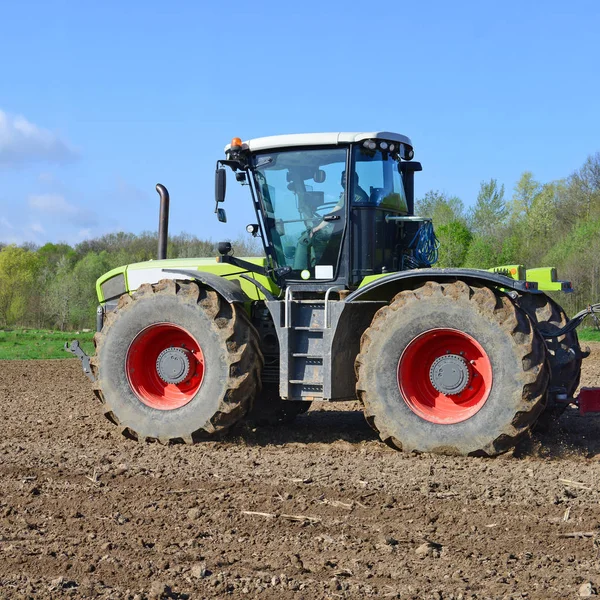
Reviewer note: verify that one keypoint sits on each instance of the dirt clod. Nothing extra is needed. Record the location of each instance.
(429, 549)
(199, 571)
(159, 590)
(587, 589)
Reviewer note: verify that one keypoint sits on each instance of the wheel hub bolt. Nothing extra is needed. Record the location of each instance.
(450, 374)
(173, 365)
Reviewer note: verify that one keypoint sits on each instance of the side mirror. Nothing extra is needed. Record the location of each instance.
(221, 215)
(224, 248)
(405, 167)
(220, 185)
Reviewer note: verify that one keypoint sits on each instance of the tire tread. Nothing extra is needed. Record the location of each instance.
(497, 307)
(239, 337)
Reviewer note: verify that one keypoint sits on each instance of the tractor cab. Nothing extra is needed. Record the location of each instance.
(332, 208)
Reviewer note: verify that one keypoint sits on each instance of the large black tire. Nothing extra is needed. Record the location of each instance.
(564, 352)
(231, 367)
(270, 409)
(516, 359)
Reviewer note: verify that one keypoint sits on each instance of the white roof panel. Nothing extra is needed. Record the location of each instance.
(320, 139)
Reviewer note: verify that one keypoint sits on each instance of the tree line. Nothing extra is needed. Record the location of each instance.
(54, 286)
(553, 224)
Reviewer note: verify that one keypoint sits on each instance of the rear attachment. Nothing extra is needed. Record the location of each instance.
(588, 400)
(591, 311)
(77, 350)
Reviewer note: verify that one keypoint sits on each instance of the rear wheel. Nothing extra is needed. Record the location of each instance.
(564, 353)
(452, 369)
(176, 362)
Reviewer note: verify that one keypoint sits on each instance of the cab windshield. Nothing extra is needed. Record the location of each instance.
(303, 200)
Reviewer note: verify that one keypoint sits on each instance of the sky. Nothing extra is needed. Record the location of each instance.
(99, 101)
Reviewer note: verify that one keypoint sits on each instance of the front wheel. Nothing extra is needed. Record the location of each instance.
(176, 362)
(452, 369)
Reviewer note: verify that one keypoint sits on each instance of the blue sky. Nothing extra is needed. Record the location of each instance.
(100, 101)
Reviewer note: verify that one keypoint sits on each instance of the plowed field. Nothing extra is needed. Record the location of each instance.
(319, 509)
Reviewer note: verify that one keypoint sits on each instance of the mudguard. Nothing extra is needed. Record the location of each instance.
(230, 290)
(384, 287)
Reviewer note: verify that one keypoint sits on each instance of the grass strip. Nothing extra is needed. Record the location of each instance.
(25, 344)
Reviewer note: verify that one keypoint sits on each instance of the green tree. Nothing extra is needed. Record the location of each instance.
(580, 197)
(489, 215)
(540, 229)
(576, 259)
(50, 254)
(59, 295)
(455, 239)
(85, 273)
(440, 208)
(525, 192)
(511, 249)
(71, 299)
(483, 253)
(18, 271)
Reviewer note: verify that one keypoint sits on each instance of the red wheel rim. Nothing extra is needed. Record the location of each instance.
(415, 383)
(142, 370)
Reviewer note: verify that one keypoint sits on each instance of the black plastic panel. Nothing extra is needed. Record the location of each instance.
(114, 287)
(383, 288)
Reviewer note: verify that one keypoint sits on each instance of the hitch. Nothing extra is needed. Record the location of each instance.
(77, 350)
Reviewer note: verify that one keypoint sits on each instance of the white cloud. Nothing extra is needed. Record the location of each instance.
(18, 232)
(22, 142)
(56, 206)
(6, 223)
(52, 203)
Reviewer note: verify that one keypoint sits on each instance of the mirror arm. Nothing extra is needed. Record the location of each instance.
(234, 165)
(260, 286)
(243, 264)
(276, 274)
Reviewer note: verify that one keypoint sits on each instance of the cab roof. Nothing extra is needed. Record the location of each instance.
(320, 139)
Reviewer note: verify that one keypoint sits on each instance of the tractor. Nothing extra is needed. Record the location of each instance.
(345, 304)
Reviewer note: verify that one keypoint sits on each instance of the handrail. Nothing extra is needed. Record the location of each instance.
(335, 288)
(287, 307)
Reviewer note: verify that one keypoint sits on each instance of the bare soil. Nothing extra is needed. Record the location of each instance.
(318, 509)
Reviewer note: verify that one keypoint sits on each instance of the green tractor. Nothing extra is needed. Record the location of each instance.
(344, 304)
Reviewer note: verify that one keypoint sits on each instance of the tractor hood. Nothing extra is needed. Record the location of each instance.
(128, 278)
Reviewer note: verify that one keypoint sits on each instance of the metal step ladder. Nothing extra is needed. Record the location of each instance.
(306, 322)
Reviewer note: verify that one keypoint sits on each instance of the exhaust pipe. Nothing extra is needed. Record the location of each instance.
(163, 221)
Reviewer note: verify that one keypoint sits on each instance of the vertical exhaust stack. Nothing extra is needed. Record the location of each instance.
(163, 221)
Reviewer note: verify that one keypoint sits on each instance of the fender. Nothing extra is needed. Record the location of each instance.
(230, 290)
(384, 287)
